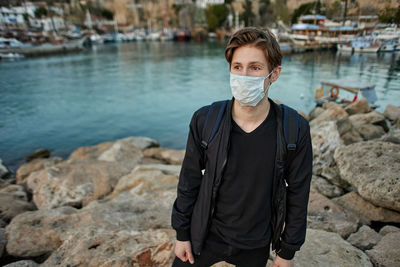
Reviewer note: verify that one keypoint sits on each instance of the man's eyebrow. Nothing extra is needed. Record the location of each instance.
(252, 62)
(256, 62)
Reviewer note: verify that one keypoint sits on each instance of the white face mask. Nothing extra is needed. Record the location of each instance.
(248, 90)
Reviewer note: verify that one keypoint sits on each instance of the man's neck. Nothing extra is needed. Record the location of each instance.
(248, 117)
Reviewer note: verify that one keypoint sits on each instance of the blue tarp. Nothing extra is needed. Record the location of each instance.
(305, 27)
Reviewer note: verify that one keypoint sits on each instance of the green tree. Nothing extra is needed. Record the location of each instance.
(388, 15)
(40, 12)
(216, 16)
(247, 14)
(308, 8)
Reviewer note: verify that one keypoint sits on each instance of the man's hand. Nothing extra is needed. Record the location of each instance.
(183, 251)
(279, 262)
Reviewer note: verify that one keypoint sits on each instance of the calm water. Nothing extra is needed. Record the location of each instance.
(149, 89)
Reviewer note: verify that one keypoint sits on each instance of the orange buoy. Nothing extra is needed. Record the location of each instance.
(334, 91)
(319, 93)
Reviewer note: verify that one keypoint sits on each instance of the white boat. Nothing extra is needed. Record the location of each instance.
(11, 56)
(11, 43)
(390, 46)
(345, 92)
(363, 44)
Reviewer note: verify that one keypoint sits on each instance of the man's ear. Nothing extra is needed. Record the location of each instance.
(276, 73)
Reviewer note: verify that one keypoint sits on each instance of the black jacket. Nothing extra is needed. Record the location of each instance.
(197, 192)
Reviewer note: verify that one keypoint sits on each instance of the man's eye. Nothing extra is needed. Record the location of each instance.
(256, 68)
(236, 67)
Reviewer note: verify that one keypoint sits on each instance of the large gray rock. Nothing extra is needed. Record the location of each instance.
(392, 136)
(386, 252)
(142, 142)
(315, 112)
(388, 229)
(325, 187)
(325, 139)
(324, 214)
(360, 106)
(370, 131)
(35, 165)
(333, 113)
(392, 112)
(35, 233)
(89, 173)
(23, 263)
(169, 156)
(327, 249)
(143, 202)
(365, 238)
(372, 168)
(365, 210)
(39, 153)
(13, 201)
(352, 136)
(126, 247)
(370, 125)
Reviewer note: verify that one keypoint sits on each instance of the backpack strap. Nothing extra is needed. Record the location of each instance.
(213, 120)
(290, 128)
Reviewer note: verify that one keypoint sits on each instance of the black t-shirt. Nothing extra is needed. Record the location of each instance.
(244, 202)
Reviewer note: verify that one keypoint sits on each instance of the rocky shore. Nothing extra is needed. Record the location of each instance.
(110, 204)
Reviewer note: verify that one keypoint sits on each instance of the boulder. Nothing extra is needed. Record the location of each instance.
(360, 106)
(392, 136)
(35, 165)
(326, 188)
(315, 112)
(324, 214)
(23, 263)
(331, 174)
(365, 238)
(89, 173)
(126, 247)
(352, 136)
(3, 170)
(333, 113)
(386, 252)
(370, 131)
(323, 248)
(392, 112)
(39, 153)
(366, 211)
(372, 168)
(154, 177)
(372, 117)
(142, 142)
(388, 229)
(344, 125)
(142, 204)
(325, 139)
(13, 201)
(169, 156)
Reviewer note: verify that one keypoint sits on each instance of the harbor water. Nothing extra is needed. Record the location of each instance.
(151, 89)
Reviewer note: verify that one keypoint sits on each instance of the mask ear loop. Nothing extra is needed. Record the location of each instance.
(268, 81)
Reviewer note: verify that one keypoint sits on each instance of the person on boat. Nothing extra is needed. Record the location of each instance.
(227, 195)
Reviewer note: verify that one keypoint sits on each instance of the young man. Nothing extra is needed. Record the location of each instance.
(229, 202)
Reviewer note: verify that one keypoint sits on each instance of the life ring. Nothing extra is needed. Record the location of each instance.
(334, 91)
(319, 93)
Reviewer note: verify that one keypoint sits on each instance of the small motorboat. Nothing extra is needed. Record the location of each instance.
(345, 92)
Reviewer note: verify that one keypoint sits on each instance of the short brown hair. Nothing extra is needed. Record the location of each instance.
(263, 39)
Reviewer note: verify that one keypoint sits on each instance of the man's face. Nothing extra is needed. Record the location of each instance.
(249, 61)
